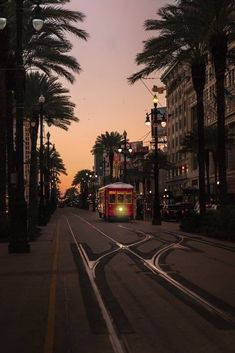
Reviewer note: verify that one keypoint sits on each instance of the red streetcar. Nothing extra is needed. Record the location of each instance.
(116, 201)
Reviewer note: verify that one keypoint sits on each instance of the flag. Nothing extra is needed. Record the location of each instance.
(157, 89)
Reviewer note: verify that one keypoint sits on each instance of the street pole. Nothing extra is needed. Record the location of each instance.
(53, 183)
(19, 238)
(47, 179)
(156, 214)
(93, 193)
(124, 152)
(41, 211)
(156, 218)
(93, 178)
(104, 171)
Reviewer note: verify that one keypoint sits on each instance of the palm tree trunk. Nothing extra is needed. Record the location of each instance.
(207, 163)
(219, 53)
(10, 137)
(3, 159)
(215, 161)
(3, 125)
(198, 78)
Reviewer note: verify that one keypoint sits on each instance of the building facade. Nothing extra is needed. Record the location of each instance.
(182, 180)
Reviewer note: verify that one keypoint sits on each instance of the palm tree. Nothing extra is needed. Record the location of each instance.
(217, 17)
(46, 51)
(71, 195)
(82, 178)
(109, 143)
(180, 41)
(58, 110)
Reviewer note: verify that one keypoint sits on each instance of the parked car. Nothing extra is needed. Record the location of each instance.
(171, 212)
(208, 207)
(186, 208)
(177, 211)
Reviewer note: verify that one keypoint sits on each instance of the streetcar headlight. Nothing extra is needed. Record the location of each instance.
(121, 210)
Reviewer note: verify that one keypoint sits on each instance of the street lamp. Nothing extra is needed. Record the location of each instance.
(52, 179)
(19, 239)
(125, 151)
(41, 211)
(103, 169)
(47, 172)
(93, 177)
(156, 118)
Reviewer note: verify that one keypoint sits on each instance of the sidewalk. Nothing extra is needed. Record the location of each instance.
(24, 292)
(42, 298)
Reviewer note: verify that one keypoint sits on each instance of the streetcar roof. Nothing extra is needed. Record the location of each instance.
(117, 185)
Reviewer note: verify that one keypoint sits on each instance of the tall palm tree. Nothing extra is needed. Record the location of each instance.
(58, 110)
(82, 178)
(46, 51)
(179, 41)
(217, 17)
(109, 143)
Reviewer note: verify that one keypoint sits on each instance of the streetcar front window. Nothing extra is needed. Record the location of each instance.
(128, 198)
(120, 198)
(112, 198)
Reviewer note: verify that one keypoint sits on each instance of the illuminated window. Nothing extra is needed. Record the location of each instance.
(120, 198)
(127, 198)
(112, 198)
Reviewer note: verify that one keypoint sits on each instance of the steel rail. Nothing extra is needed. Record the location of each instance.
(116, 342)
(153, 265)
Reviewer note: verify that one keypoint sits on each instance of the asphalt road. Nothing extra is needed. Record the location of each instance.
(134, 288)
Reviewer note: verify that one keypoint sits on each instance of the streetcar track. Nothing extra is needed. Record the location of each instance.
(202, 241)
(153, 265)
(195, 238)
(115, 340)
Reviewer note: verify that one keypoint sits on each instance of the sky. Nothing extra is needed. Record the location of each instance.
(104, 99)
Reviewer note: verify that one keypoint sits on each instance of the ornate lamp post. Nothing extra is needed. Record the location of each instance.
(47, 175)
(104, 169)
(103, 165)
(53, 180)
(156, 118)
(19, 239)
(126, 148)
(41, 210)
(93, 177)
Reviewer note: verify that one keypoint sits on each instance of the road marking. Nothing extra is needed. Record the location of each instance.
(50, 330)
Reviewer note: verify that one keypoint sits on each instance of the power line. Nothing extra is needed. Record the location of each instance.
(147, 87)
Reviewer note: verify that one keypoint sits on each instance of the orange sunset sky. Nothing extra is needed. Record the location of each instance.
(104, 99)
